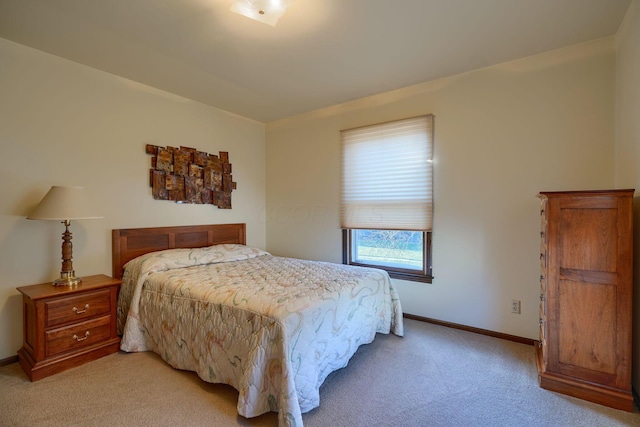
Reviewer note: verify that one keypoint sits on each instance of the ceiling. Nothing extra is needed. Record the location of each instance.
(321, 53)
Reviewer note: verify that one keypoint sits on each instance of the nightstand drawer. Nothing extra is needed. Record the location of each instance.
(76, 336)
(76, 308)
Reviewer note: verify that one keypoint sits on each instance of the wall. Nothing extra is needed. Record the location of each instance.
(628, 142)
(502, 134)
(66, 124)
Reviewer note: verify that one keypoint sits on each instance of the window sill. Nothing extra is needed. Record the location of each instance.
(394, 274)
(410, 277)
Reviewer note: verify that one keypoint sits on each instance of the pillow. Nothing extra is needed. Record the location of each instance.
(188, 257)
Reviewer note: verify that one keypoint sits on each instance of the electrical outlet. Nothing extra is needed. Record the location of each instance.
(515, 306)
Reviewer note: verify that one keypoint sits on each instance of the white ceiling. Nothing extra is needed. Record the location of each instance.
(321, 53)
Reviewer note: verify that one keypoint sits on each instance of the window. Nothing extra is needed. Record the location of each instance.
(387, 202)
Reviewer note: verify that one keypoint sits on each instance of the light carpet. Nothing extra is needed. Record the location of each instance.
(434, 376)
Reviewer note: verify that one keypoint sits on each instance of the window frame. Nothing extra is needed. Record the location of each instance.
(425, 275)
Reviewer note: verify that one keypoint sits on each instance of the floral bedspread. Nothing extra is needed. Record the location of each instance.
(273, 328)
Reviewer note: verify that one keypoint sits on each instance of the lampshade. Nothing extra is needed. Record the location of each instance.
(64, 203)
(265, 11)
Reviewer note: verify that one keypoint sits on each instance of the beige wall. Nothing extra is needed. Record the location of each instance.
(65, 124)
(502, 134)
(628, 141)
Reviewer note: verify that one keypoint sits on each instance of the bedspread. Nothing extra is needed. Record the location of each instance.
(273, 328)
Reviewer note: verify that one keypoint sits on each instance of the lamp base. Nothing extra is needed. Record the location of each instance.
(67, 278)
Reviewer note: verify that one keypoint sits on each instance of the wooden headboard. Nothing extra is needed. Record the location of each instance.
(129, 243)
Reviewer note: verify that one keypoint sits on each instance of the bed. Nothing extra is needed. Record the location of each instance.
(273, 328)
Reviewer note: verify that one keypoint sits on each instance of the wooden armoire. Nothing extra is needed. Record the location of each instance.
(586, 295)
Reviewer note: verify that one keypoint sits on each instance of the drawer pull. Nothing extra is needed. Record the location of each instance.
(78, 339)
(76, 311)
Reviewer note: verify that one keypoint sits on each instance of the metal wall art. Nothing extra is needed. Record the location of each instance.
(186, 175)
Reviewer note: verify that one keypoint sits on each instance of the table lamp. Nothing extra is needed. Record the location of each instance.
(65, 204)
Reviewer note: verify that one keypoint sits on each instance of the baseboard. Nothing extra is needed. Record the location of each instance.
(480, 331)
(9, 360)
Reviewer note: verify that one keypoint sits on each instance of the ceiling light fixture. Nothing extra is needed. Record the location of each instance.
(265, 11)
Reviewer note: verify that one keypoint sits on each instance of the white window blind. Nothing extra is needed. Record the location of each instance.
(387, 176)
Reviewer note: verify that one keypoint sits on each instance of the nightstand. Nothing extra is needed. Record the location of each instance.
(64, 327)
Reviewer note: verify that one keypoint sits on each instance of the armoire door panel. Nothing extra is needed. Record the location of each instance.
(585, 338)
(598, 226)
